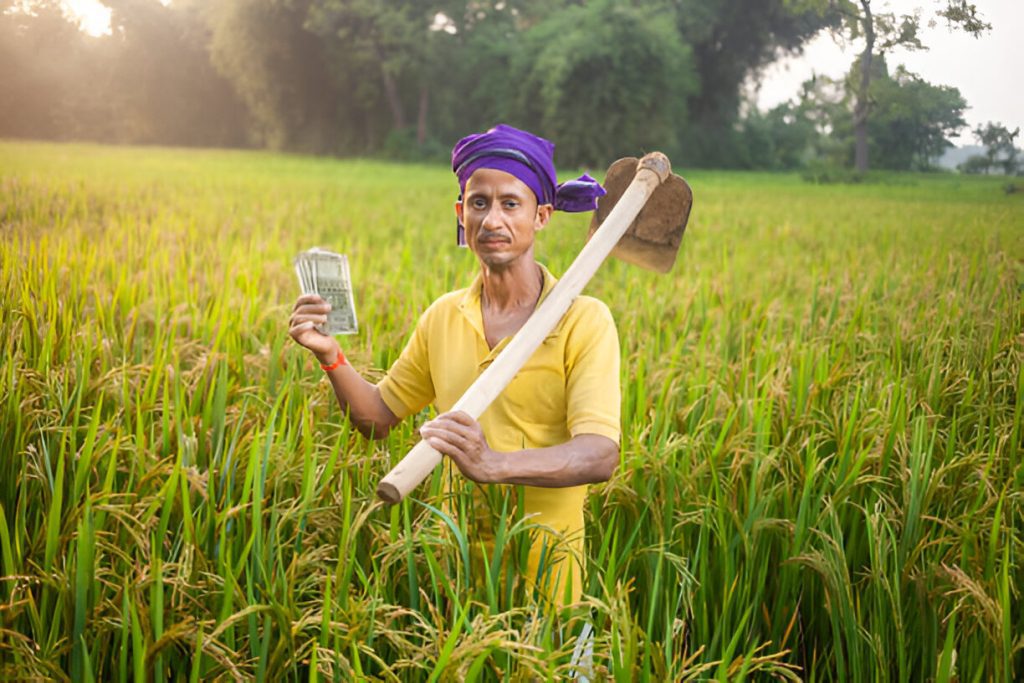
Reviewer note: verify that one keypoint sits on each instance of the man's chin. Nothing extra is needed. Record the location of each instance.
(496, 260)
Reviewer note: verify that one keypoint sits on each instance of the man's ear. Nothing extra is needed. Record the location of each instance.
(460, 227)
(543, 216)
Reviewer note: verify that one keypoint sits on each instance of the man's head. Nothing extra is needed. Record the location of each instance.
(529, 159)
(500, 216)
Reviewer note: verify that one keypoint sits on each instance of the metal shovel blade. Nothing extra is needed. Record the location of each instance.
(652, 240)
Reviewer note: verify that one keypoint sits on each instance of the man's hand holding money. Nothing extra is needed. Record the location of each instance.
(309, 312)
(325, 307)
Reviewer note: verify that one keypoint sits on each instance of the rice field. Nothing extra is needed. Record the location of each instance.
(822, 474)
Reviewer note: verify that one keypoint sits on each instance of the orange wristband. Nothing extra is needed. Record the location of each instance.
(335, 364)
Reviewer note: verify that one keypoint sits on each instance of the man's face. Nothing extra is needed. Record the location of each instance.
(501, 216)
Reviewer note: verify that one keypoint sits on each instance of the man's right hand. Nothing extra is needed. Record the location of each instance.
(311, 310)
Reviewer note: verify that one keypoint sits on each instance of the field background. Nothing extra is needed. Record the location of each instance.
(821, 474)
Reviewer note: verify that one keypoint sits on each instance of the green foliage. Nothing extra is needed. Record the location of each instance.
(42, 58)
(882, 31)
(784, 138)
(604, 80)
(405, 79)
(731, 39)
(151, 82)
(343, 76)
(976, 163)
(912, 120)
(396, 46)
(401, 145)
(1000, 151)
(166, 89)
(821, 454)
(965, 15)
(823, 172)
(279, 70)
(910, 124)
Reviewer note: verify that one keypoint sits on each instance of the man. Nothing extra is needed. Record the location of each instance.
(555, 428)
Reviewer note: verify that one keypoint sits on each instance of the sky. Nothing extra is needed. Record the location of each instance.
(985, 70)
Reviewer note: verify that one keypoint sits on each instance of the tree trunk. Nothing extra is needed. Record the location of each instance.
(862, 107)
(394, 101)
(421, 118)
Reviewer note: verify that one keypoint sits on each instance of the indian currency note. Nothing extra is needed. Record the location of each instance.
(301, 277)
(302, 272)
(331, 279)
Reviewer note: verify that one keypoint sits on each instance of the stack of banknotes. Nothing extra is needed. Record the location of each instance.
(326, 274)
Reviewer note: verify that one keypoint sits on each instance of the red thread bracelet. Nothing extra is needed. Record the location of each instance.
(335, 364)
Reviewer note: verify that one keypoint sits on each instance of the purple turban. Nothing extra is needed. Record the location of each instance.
(530, 159)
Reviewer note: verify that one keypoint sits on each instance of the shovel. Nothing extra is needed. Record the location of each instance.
(641, 220)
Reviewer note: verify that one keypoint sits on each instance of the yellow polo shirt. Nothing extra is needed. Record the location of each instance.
(570, 386)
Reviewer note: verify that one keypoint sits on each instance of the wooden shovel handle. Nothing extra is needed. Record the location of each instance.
(414, 468)
(652, 170)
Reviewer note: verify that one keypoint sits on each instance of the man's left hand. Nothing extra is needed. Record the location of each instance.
(460, 437)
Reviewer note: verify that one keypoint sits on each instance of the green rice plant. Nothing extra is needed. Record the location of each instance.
(820, 474)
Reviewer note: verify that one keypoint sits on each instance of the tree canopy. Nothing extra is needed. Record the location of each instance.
(406, 78)
(913, 120)
(881, 32)
(1001, 153)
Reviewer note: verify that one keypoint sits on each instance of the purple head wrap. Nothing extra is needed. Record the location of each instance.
(530, 159)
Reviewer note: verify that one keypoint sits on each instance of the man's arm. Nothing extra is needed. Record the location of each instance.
(367, 411)
(584, 459)
(359, 398)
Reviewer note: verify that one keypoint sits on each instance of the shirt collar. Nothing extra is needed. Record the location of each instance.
(470, 302)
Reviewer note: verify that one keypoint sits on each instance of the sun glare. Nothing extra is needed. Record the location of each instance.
(93, 16)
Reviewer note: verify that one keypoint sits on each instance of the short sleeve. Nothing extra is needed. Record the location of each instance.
(408, 387)
(593, 393)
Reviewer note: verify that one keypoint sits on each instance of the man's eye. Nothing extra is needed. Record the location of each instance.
(479, 204)
(511, 204)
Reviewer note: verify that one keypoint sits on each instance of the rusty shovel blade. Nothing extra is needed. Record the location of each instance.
(652, 240)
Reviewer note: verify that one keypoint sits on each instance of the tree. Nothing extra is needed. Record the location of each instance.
(149, 82)
(911, 123)
(883, 31)
(783, 138)
(912, 119)
(166, 89)
(437, 59)
(279, 69)
(1000, 151)
(394, 41)
(730, 41)
(976, 163)
(604, 80)
(45, 64)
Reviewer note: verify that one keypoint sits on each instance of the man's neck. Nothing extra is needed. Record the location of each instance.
(515, 287)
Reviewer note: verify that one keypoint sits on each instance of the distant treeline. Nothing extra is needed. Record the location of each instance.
(406, 78)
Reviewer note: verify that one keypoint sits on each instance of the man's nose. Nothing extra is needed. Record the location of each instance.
(492, 219)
